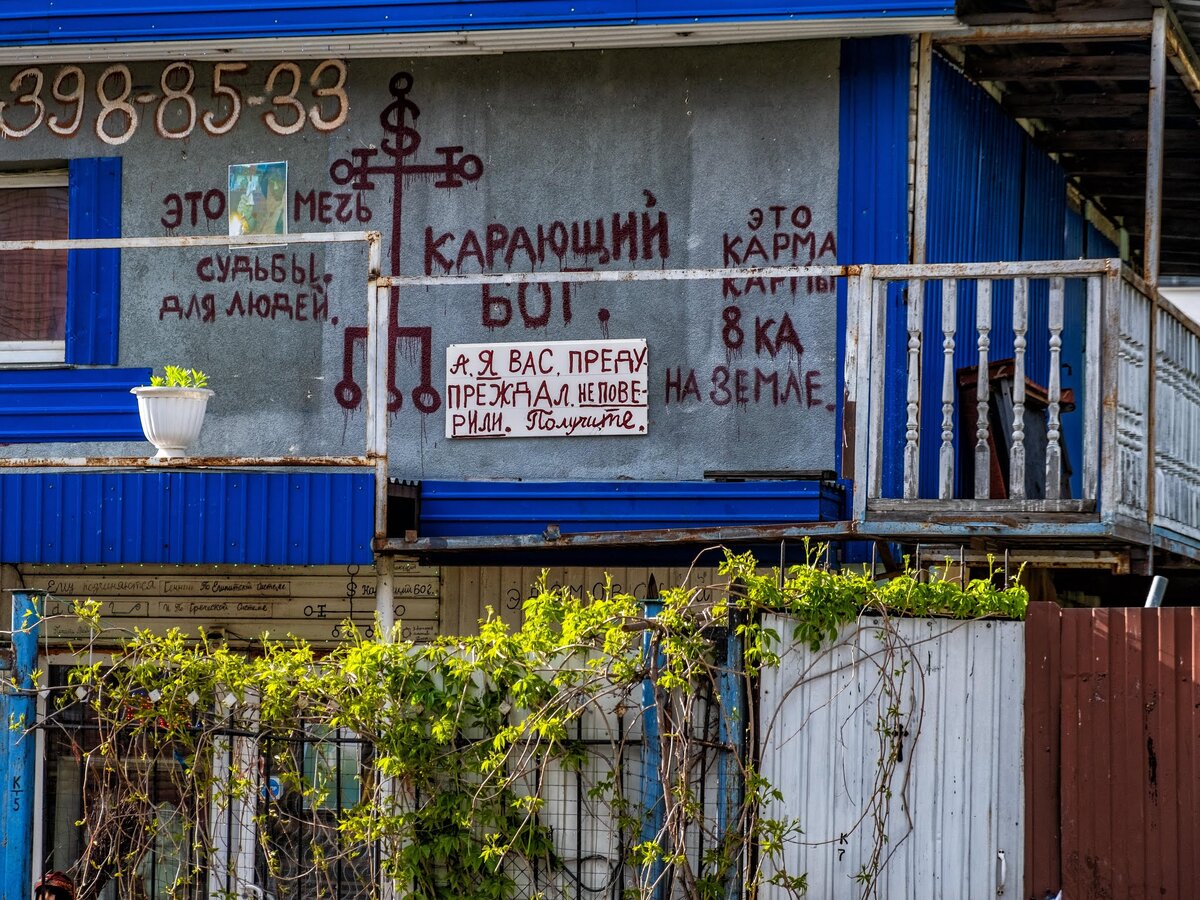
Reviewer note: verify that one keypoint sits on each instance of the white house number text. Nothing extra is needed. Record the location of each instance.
(59, 103)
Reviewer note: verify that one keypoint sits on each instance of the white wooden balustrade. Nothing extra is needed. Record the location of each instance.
(1006, 343)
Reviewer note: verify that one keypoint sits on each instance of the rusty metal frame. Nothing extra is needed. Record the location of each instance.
(376, 426)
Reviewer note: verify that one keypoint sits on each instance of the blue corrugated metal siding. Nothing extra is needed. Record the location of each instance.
(1098, 246)
(993, 196)
(87, 21)
(452, 508)
(873, 194)
(45, 405)
(94, 276)
(264, 518)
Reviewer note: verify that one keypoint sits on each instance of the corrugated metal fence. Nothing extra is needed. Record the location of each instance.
(1113, 752)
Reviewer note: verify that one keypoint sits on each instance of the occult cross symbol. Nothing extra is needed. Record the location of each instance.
(454, 170)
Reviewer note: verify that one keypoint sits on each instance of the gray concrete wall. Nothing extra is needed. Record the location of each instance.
(721, 151)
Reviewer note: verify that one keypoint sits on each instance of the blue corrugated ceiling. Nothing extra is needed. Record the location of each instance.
(88, 21)
(455, 508)
(263, 518)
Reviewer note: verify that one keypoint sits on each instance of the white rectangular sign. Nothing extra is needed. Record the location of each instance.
(546, 389)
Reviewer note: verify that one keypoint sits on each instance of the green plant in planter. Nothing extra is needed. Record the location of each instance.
(177, 376)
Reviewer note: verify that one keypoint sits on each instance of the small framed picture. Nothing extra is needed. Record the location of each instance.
(257, 200)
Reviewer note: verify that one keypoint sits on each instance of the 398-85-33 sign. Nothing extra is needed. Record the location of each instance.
(547, 389)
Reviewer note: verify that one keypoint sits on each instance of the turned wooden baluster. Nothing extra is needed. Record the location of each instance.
(949, 326)
(1053, 426)
(912, 435)
(983, 452)
(1016, 471)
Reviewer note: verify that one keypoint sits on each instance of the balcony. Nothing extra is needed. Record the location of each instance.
(1014, 401)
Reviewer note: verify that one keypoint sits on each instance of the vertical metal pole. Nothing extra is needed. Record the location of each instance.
(921, 169)
(1154, 146)
(732, 737)
(20, 747)
(653, 805)
(879, 363)
(1153, 231)
(1092, 366)
(865, 443)
(385, 607)
(378, 343)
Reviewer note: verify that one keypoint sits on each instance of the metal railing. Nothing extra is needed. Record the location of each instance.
(982, 356)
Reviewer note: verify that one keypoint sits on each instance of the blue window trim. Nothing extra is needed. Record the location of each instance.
(44, 405)
(94, 276)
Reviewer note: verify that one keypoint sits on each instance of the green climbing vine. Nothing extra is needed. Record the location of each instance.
(462, 745)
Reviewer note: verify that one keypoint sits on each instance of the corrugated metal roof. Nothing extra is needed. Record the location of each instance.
(81, 21)
(77, 30)
(453, 508)
(187, 517)
(471, 43)
(956, 798)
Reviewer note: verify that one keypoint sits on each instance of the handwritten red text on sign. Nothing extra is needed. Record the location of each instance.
(546, 389)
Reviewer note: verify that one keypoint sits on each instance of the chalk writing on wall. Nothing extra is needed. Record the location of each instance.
(546, 389)
(173, 109)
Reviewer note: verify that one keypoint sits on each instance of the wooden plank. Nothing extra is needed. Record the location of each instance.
(213, 571)
(215, 610)
(1089, 68)
(980, 507)
(319, 631)
(98, 586)
(448, 619)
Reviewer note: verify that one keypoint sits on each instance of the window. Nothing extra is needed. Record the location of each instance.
(33, 283)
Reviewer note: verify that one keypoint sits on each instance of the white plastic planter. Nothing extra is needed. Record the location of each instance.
(171, 417)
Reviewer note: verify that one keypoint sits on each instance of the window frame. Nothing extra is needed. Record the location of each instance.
(36, 353)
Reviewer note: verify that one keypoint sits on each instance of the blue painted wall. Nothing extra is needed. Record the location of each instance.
(87, 21)
(265, 518)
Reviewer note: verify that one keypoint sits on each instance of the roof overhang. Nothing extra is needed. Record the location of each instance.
(475, 42)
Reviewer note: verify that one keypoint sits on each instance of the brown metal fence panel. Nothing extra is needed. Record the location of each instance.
(1043, 834)
(1115, 695)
